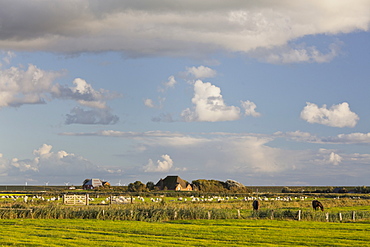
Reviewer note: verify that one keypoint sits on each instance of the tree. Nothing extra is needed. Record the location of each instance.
(150, 185)
(286, 190)
(137, 186)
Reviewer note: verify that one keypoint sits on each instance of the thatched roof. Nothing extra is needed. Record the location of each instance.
(170, 182)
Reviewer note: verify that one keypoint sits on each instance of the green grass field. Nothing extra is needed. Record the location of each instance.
(28, 232)
(42, 221)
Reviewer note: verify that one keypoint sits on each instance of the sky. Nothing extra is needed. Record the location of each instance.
(261, 92)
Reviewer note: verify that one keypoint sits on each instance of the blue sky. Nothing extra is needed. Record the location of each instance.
(265, 93)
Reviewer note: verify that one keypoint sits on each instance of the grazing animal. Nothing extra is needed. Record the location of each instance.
(256, 205)
(316, 204)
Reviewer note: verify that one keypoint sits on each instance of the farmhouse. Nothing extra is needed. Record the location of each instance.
(92, 183)
(173, 183)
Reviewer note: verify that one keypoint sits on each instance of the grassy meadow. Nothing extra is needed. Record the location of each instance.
(28, 232)
(168, 220)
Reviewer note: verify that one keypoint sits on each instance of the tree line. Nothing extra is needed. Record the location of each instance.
(202, 185)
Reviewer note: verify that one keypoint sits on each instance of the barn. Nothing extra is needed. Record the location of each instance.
(92, 183)
(173, 183)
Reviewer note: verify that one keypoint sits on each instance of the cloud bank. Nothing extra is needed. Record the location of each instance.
(240, 155)
(352, 138)
(46, 165)
(177, 28)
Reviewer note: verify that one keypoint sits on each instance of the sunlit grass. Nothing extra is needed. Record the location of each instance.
(183, 233)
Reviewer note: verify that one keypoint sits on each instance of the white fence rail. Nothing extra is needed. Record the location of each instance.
(76, 199)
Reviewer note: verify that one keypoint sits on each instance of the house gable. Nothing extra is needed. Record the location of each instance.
(173, 183)
(92, 183)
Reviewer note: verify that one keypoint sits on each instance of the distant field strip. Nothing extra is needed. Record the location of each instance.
(28, 232)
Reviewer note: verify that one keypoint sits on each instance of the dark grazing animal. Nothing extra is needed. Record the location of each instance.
(256, 205)
(316, 204)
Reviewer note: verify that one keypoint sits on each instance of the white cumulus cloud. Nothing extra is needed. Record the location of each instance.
(335, 159)
(201, 72)
(171, 82)
(327, 156)
(209, 105)
(30, 86)
(250, 108)
(85, 94)
(36, 86)
(8, 57)
(149, 103)
(336, 116)
(164, 165)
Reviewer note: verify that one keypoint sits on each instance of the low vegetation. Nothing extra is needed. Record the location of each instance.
(185, 207)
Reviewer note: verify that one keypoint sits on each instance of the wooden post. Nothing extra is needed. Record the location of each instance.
(299, 214)
(272, 214)
(327, 217)
(354, 215)
(209, 215)
(238, 214)
(175, 216)
(340, 217)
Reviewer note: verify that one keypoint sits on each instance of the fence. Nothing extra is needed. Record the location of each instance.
(164, 213)
(76, 199)
(311, 215)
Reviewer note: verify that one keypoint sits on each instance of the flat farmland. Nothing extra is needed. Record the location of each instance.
(45, 232)
(282, 220)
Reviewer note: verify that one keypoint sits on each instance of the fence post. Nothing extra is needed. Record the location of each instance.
(238, 214)
(340, 217)
(327, 217)
(354, 215)
(299, 214)
(175, 215)
(272, 214)
(209, 215)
